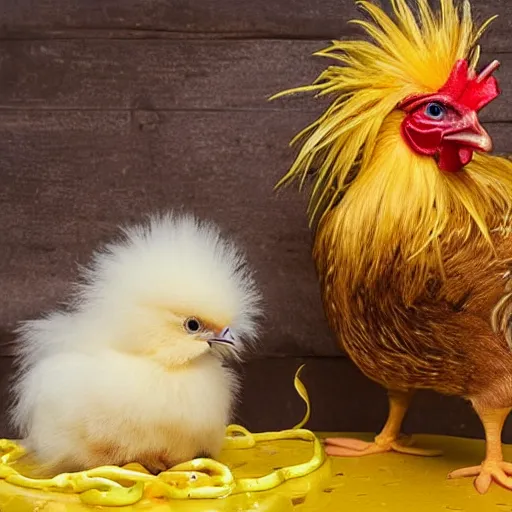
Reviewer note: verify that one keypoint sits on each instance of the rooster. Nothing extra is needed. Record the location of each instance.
(412, 219)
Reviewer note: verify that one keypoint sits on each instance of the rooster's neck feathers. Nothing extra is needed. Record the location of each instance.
(376, 201)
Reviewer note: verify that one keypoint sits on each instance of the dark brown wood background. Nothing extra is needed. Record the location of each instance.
(110, 109)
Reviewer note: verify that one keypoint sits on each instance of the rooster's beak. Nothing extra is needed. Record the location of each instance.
(472, 135)
(224, 338)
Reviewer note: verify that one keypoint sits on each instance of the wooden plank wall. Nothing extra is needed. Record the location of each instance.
(110, 109)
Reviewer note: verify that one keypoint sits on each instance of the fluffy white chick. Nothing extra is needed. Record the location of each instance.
(135, 369)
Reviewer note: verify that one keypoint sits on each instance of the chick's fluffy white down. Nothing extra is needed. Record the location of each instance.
(119, 376)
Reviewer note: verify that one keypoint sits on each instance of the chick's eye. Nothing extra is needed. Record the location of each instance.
(192, 325)
(435, 111)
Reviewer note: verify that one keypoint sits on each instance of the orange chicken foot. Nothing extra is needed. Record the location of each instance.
(389, 438)
(493, 467)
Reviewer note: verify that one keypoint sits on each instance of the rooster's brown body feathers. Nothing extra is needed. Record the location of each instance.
(454, 337)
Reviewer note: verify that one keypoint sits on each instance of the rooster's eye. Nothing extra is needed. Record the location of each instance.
(192, 325)
(435, 111)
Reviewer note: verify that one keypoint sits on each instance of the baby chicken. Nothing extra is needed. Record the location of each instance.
(136, 368)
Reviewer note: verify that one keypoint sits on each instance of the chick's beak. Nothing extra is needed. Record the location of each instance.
(471, 134)
(225, 338)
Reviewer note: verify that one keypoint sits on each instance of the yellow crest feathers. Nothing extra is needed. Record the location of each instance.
(410, 54)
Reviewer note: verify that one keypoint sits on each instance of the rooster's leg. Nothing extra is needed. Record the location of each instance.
(388, 440)
(493, 467)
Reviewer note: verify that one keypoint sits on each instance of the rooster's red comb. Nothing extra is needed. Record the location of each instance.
(465, 87)
(472, 90)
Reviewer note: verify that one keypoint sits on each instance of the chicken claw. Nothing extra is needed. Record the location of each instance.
(389, 440)
(346, 447)
(488, 471)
